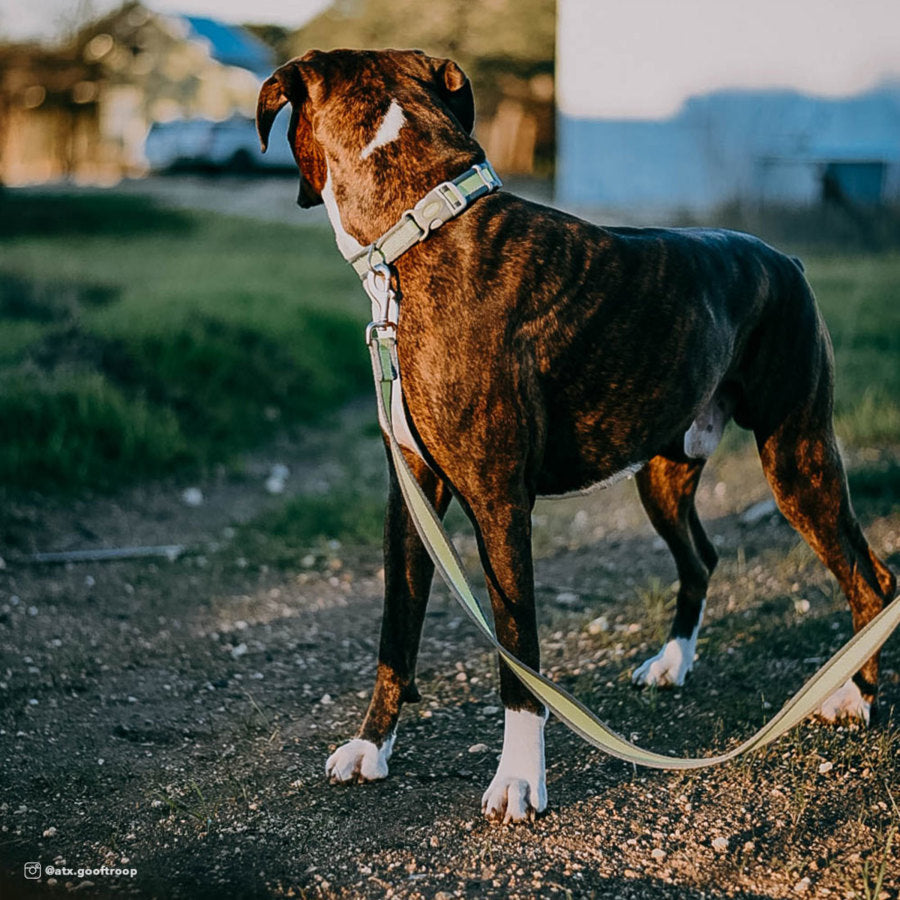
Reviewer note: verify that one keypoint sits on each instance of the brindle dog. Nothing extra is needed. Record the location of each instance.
(541, 355)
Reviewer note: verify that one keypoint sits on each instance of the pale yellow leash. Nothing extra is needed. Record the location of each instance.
(381, 338)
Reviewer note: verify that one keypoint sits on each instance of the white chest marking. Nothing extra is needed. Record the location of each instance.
(519, 789)
(347, 244)
(670, 666)
(388, 130)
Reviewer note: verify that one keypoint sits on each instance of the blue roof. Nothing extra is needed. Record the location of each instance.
(232, 45)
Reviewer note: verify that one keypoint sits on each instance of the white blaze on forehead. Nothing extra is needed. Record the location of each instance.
(347, 244)
(388, 130)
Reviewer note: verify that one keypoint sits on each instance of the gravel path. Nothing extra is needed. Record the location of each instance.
(174, 717)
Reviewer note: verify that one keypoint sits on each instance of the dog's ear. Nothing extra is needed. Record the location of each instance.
(456, 91)
(289, 85)
(272, 98)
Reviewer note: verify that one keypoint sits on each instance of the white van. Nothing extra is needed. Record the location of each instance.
(230, 145)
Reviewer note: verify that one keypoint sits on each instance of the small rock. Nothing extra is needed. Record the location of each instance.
(567, 598)
(491, 710)
(658, 854)
(802, 886)
(825, 767)
(801, 606)
(326, 700)
(275, 485)
(238, 651)
(192, 496)
(478, 748)
(720, 844)
(50, 832)
(598, 625)
(759, 511)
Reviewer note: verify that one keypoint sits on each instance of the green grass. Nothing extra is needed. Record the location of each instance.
(136, 340)
(860, 300)
(305, 524)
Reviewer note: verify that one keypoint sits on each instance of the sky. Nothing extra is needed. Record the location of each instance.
(643, 58)
(20, 19)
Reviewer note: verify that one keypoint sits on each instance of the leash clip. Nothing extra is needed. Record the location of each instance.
(377, 284)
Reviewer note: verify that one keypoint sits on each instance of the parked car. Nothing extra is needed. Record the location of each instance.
(229, 145)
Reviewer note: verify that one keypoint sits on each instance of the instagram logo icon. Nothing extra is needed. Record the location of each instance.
(33, 870)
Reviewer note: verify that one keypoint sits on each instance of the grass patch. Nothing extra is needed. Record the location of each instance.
(306, 524)
(92, 214)
(136, 340)
(876, 487)
(859, 300)
(77, 428)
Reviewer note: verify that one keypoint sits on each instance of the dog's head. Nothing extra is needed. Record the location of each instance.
(340, 98)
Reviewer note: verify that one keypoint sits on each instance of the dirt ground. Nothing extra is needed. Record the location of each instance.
(173, 717)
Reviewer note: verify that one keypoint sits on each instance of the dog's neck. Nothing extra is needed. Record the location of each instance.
(369, 187)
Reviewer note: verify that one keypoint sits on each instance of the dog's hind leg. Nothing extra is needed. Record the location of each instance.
(804, 468)
(408, 572)
(667, 488)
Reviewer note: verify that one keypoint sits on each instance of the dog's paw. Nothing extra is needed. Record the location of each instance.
(512, 799)
(669, 667)
(519, 789)
(359, 760)
(847, 702)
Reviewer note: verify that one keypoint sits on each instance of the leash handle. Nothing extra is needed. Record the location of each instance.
(382, 345)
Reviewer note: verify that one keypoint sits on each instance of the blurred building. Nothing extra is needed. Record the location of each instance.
(83, 111)
(665, 109)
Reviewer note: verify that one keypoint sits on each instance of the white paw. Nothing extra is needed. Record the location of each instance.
(359, 760)
(519, 789)
(669, 667)
(846, 702)
(511, 799)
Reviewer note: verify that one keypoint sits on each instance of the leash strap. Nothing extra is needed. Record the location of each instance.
(440, 204)
(382, 342)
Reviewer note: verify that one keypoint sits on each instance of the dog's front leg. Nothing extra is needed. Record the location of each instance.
(407, 579)
(519, 789)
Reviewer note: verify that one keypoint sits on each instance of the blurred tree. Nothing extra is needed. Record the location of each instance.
(275, 36)
(505, 46)
(513, 29)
